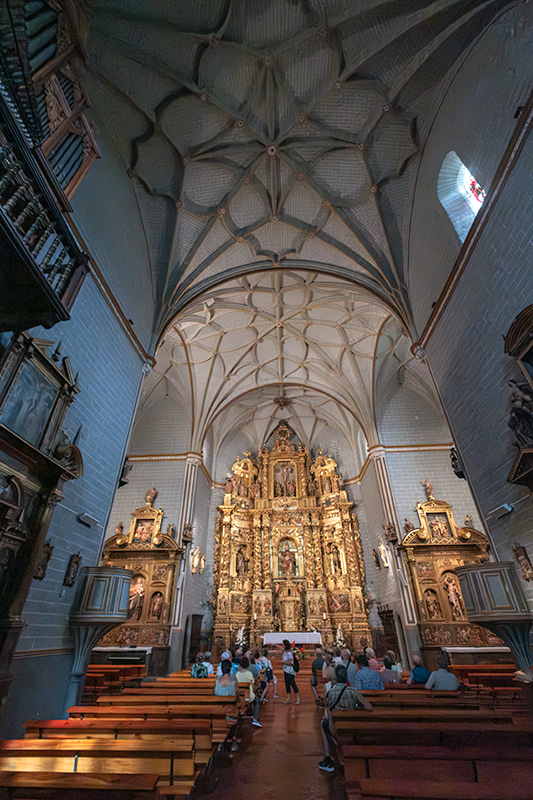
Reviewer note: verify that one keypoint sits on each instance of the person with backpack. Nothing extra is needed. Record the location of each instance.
(199, 669)
(291, 666)
(340, 696)
(269, 677)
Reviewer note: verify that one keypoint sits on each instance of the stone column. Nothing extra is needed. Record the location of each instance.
(377, 455)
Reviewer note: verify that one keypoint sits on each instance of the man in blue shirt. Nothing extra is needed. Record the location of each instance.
(366, 678)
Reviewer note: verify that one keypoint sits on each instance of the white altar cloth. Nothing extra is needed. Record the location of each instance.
(299, 637)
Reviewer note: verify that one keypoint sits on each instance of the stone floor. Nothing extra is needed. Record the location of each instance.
(280, 760)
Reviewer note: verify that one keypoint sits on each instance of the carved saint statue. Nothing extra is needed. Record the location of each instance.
(384, 555)
(156, 606)
(119, 529)
(229, 485)
(288, 562)
(521, 414)
(195, 561)
(202, 563)
(429, 489)
(151, 495)
(336, 565)
(454, 597)
(408, 527)
(438, 527)
(390, 532)
(432, 604)
(136, 600)
(241, 563)
(327, 485)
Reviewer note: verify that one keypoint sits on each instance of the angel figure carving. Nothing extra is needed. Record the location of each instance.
(151, 495)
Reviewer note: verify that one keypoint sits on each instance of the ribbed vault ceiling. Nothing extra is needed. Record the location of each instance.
(273, 132)
(281, 344)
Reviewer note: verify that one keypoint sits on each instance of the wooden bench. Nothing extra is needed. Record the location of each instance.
(78, 786)
(404, 762)
(200, 730)
(154, 690)
(168, 758)
(423, 714)
(438, 790)
(436, 733)
(135, 698)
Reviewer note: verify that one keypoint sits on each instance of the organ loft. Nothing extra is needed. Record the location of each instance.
(287, 548)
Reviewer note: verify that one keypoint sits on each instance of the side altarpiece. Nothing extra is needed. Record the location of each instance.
(154, 558)
(288, 554)
(432, 552)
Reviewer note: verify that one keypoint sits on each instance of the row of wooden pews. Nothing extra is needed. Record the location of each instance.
(436, 746)
(143, 743)
(107, 678)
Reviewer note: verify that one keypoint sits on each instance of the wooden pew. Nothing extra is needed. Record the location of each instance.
(77, 786)
(439, 790)
(135, 698)
(200, 730)
(404, 762)
(433, 733)
(152, 689)
(171, 759)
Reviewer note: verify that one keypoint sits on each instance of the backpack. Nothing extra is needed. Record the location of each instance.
(295, 663)
(198, 671)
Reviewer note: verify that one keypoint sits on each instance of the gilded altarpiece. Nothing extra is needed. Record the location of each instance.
(432, 552)
(154, 558)
(287, 548)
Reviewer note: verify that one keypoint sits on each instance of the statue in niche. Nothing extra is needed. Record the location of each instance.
(241, 563)
(136, 599)
(327, 485)
(255, 489)
(384, 555)
(156, 606)
(521, 413)
(432, 604)
(222, 604)
(390, 532)
(257, 606)
(335, 482)
(312, 487)
(429, 489)
(335, 560)
(287, 562)
(438, 527)
(454, 596)
(408, 526)
(469, 521)
(242, 490)
(312, 606)
(151, 495)
(195, 561)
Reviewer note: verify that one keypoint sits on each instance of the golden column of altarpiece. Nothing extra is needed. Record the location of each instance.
(287, 548)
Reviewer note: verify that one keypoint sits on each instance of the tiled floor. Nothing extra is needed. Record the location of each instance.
(280, 760)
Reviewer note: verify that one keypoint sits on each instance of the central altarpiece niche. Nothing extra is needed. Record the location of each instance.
(287, 548)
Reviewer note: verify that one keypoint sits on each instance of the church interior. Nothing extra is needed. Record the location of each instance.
(266, 368)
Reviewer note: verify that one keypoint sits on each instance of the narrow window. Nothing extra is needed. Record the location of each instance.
(460, 193)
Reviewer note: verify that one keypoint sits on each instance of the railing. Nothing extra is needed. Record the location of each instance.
(41, 251)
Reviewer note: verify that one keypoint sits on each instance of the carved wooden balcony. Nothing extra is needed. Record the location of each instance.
(41, 266)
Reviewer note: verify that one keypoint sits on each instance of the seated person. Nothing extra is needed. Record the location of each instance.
(226, 655)
(351, 668)
(440, 679)
(208, 664)
(367, 678)
(225, 684)
(340, 696)
(328, 670)
(237, 656)
(388, 674)
(316, 667)
(199, 669)
(419, 673)
(244, 676)
(396, 664)
(373, 663)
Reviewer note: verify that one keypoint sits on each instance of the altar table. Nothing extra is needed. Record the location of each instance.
(298, 637)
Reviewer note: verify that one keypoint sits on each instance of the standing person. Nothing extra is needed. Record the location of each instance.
(244, 676)
(419, 673)
(289, 672)
(339, 696)
(440, 679)
(316, 667)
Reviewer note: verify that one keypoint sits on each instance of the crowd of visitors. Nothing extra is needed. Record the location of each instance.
(342, 676)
